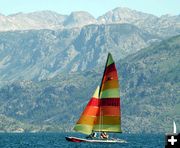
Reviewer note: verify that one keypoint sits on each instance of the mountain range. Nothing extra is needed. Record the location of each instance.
(53, 62)
(52, 20)
(149, 81)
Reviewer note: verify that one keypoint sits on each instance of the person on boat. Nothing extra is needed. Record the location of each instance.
(104, 135)
(92, 135)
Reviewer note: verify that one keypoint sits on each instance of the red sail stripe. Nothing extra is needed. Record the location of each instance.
(110, 102)
(94, 102)
(110, 75)
(90, 111)
(104, 102)
(110, 68)
(105, 111)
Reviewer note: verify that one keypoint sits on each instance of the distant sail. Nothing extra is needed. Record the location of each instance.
(174, 127)
(86, 122)
(108, 118)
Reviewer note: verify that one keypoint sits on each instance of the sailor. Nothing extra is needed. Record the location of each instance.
(104, 135)
(92, 135)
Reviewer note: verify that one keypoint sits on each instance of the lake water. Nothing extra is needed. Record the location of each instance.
(57, 140)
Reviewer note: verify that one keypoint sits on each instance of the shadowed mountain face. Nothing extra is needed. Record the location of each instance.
(37, 55)
(165, 26)
(149, 81)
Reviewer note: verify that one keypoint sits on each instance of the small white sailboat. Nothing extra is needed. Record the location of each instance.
(174, 127)
(102, 113)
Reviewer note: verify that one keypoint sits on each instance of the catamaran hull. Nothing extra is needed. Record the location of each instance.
(75, 139)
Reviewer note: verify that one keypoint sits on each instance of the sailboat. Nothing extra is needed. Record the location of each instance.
(102, 113)
(174, 127)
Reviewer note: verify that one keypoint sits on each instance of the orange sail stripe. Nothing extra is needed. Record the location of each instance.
(109, 111)
(86, 120)
(90, 111)
(110, 84)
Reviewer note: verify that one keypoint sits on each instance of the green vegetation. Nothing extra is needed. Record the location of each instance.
(150, 96)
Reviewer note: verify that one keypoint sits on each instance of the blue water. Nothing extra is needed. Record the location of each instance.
(57, 140)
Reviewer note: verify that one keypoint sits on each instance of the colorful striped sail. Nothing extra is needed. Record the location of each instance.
(108, 117)
(102, 112)
(86, 122)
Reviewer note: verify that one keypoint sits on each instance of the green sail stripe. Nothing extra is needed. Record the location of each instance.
(110, 60)
(83, 128)
(107, 128)
(110, 93)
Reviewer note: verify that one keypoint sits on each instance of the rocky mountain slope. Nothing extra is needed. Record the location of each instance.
(34, 20)
(149, 81)
(42, 54)
(150, 23)
(79, 19)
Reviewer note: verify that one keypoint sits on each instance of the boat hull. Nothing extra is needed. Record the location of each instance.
(75, 139)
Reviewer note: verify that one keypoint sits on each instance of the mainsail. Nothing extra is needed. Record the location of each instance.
(108, 118)
(102, 113)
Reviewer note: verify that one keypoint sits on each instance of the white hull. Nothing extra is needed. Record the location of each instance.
(75, 139)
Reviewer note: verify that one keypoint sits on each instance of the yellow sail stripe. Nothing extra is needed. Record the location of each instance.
(86, 120)
(84, 128)
(107, 120)
(110, 85)
(107, 128)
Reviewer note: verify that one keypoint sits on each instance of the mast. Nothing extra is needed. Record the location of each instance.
(100, 91)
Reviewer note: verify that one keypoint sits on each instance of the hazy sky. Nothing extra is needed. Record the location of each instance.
(95, 7)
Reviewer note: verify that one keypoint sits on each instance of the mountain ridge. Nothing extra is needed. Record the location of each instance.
(53, 20)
